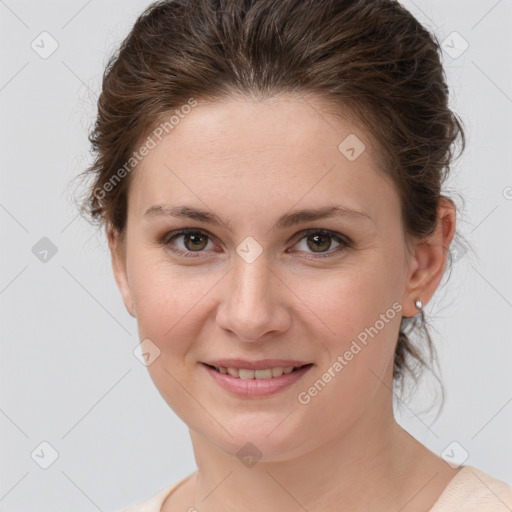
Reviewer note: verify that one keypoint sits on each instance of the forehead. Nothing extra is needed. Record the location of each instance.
(286, 149)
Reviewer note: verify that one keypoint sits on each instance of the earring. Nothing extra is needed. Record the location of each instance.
(419, 304)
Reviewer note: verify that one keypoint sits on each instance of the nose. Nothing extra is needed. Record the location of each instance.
(253, 306)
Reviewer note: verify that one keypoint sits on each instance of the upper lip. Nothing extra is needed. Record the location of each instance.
(261, 364)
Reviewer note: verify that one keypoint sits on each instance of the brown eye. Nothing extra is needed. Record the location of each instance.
(187, 242)
(195, 241)
(319, 242)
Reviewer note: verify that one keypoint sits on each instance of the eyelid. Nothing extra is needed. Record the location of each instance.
(171, 235)
(344, 241)
(333, 234)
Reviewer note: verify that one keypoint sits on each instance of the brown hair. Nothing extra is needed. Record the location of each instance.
(369, 57)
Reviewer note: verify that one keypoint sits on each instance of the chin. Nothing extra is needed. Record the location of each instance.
(266, 440)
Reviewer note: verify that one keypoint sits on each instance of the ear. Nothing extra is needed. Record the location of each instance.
(429, 260)
(117, 246)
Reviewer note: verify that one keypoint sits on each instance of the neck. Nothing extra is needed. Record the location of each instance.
(371, 464)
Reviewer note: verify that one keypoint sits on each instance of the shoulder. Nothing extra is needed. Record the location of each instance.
(154, 503)
(473, 490)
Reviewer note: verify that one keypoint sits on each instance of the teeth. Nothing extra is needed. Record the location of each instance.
(277, 372)
(245, 373)
(263, 374)
(233, 372)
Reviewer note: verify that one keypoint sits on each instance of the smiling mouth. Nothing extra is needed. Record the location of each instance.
(263, 374)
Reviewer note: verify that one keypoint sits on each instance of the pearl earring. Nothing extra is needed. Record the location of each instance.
(418, 304)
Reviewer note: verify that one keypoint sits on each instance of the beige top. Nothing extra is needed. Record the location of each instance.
(470, 490)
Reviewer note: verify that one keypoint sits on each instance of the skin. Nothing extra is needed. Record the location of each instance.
(251, 162)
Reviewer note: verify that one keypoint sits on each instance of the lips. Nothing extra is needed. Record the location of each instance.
(255, 378)
(261, 364)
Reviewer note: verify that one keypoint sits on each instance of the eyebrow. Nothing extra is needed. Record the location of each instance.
(287, 220)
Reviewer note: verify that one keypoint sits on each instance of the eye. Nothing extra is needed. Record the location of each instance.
(319, 241)
(194, 241)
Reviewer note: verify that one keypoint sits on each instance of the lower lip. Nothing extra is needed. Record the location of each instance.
(248, 388)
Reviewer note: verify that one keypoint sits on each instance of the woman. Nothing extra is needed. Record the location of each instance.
(268, 174)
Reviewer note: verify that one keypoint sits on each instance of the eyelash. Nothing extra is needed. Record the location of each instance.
(345, 242)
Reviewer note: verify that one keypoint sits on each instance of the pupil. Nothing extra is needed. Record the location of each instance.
(317, 245)
(196, 243)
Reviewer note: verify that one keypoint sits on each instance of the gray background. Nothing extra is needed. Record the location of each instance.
(69, 376)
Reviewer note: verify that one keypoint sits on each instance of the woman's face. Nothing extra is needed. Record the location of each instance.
(257, 281)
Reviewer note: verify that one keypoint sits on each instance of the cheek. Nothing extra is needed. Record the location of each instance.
(335, 308)
(171, 305)
(336, 305)
(169, 301)
(344, 302)
(363, 318)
